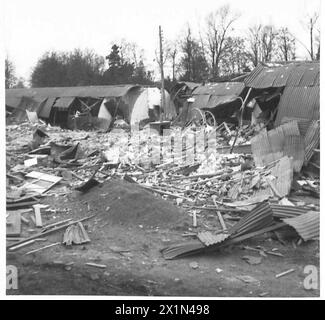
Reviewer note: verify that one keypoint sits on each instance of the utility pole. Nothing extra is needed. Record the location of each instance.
(162, 74)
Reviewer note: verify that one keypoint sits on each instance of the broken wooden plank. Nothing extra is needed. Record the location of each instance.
(25, 220)
(222, 222)
(40, 182)
(20, 244)
(166, 193)
(13, 225)
(38, 216)
(42, 248)
(18, 205)
(55, 224)
(194, 219)
(102, 266)
(284, 273)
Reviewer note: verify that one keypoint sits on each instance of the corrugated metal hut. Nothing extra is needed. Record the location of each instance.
(77, 107)
(295, 84)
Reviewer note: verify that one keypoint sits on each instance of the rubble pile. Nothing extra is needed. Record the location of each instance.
(219, 187)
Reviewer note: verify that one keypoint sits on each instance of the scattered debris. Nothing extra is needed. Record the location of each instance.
(252, 260)
(39, 249)
(284, 273)
(96, 265)
(194, 265)
(75, 234)
(248, 279)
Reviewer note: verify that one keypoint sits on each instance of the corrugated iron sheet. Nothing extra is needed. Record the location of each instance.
(219, 100)
(221, 89)
(86, 91)
(307, 225)
(45, 111)
(63, 103)
(312, 140)
(191, 85)
(281, 211)
(299, 102)
(259, 218)
(209, 238)
(277, 143)
(283, 171)
(293, 75)
(294, 146)
(303, 124)
(261, 149)
(13, 101)
(200, 101)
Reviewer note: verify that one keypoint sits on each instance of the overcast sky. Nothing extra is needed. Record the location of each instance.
(35, 26)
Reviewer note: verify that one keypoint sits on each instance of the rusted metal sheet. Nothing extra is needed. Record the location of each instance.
(299, 102)
(307, 225)
(293, 75)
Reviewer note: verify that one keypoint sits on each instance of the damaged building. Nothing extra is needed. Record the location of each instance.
(216, 101)
(91, 107)
(285, 92)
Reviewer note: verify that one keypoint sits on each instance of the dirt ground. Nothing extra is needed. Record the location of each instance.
(128, 241)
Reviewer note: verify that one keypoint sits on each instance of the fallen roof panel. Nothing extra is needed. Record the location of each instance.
(307, 225)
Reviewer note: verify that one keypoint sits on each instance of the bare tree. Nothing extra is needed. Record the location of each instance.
(130, 52)
(236, 59)
(193, 64)
(10, 77)
(171, 53)
(262, 40)
(268, 42)
(286, 44)
(218, 25)
(254, 40)
(311, 24)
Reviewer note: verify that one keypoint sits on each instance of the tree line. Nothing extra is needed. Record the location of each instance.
(215, 54)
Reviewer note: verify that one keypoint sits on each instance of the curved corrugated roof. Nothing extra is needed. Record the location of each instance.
(220, 89)
(87, 91)
(291, 75)
(299, 102)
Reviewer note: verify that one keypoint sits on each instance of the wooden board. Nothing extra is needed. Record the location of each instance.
(40, 182)
(13, 224)
(38, 217)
